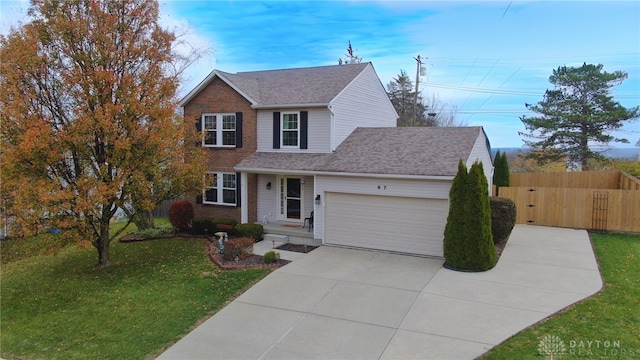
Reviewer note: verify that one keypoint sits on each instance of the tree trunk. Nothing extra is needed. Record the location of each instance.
(102, 245)
(144, 220)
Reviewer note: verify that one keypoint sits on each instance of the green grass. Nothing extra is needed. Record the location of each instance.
(63, 307)
(611, 315)
(42, 244)
(50, 244)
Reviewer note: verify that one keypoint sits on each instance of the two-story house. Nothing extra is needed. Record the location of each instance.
(286, 144)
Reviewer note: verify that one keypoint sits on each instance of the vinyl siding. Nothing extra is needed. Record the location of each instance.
(431, 189)
(319, 131)
(363, 103)
(481, 153)
(268, 199)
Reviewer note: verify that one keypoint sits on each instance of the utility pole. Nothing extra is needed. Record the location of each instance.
(419, 70)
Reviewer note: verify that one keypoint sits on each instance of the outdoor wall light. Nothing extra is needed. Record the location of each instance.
(318, 202)
(269, 186)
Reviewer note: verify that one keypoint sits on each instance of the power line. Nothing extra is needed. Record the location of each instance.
(507, 92)
(484, 90)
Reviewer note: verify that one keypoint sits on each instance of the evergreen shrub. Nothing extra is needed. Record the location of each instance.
(468, 242)
(503, 217)
(270, 257)
(253, 231)
(200, 224)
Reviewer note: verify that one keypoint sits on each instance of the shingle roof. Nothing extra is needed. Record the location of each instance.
(311, 85)
(424, 151)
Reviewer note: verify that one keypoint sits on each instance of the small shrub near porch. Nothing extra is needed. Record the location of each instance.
(253, 231)
(238, 248)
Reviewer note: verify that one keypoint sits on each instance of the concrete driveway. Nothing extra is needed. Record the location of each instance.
(337, 303)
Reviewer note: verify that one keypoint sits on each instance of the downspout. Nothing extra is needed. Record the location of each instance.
(333, 129)
(244, 198)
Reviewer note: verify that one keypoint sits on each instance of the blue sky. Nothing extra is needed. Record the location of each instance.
(485, 58)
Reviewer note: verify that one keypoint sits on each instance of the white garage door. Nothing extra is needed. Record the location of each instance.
(400, 224)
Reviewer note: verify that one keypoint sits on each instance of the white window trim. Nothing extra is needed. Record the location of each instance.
(220, 189)
(282, 130)
(219, 130)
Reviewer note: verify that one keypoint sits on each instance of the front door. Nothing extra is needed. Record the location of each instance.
(290, 198)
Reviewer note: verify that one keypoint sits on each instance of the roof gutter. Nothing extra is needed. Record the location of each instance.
(350, 174)
(289, 106)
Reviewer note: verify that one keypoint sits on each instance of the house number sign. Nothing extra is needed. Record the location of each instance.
(383, 187)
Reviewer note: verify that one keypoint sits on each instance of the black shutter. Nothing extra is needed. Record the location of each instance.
(276, 130)
(199, 199)
(238, 187)
(238, 130)
(199, 129)
(304, 124)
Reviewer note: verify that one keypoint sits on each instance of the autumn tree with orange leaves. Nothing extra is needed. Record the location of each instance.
(88, 123)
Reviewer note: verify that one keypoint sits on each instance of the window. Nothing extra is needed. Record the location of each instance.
(220, 188)
(290, 130)
(219, 130)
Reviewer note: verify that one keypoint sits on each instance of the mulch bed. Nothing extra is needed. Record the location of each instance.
(251, 262)
(499, 247)
(297, 248)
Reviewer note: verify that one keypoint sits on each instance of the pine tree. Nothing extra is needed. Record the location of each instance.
(496, 169)
(506, 172)
(577, 113)
(501, 170)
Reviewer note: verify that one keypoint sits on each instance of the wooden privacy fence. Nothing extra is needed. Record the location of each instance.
(610, 179)
(599, 200)
(162, 210)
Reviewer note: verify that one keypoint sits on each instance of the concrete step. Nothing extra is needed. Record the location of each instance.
(305, 241)
(276, 238)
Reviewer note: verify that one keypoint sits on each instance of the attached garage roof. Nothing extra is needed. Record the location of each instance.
(423, 151)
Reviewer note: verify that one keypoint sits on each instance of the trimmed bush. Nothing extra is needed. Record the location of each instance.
(226, 221)
(240, 248)
(271, 257)
(253, 231)
(455, 230)
(199, 225)
(480, 221)
(180, 214)
(503, 217)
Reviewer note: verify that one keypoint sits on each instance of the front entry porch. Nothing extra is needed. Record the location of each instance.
(284, 232)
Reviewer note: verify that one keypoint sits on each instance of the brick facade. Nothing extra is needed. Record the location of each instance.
(218, 97)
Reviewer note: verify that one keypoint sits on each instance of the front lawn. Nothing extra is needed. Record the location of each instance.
(60, 306)
(606, 325)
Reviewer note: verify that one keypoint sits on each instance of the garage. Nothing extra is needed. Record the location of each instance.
(398, 224)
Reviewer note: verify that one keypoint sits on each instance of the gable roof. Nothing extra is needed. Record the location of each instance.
(416, 151)
(311, 86)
